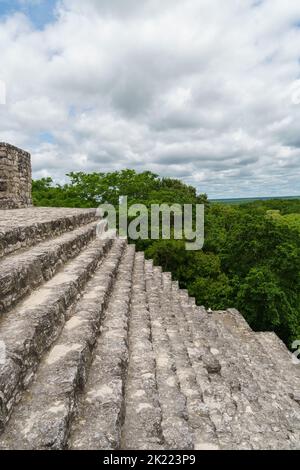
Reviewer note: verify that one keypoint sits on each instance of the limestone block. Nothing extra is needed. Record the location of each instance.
(15, 177)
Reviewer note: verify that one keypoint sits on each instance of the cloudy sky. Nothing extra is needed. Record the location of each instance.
(203, 90)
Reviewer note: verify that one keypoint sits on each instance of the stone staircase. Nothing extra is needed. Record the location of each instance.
(104, 351)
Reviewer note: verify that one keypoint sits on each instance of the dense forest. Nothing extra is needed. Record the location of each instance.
(250, 259)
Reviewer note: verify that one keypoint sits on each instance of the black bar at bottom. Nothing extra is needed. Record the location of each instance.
(136, 459)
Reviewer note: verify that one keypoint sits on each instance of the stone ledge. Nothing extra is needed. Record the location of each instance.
(13, 147)
(23, 228)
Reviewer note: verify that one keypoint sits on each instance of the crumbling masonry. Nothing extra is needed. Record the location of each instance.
(15, 177)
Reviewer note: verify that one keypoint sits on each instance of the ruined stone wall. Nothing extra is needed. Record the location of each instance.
(15, 177)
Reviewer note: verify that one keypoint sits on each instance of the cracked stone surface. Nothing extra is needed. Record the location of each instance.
(15, 177)
(104, 351)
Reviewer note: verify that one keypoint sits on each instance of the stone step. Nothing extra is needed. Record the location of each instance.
(276, 349)
(205, 364)
(102, 406)
(270, 409)
(217, 374)
(175, 427)
(142, 422)
(24, 228)
(287, 365)
(29, 330)
(272, 350)
(190, 318)
(204, 436)
(232, 317)
(43, 418)
(22, 272)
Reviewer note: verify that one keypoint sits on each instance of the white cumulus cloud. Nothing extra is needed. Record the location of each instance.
(207, 91)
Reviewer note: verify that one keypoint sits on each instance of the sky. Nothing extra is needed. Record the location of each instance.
(207, 91)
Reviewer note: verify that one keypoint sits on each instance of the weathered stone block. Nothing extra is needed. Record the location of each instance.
(15, 177)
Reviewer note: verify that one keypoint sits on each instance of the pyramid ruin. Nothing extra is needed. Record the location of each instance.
(99, 349)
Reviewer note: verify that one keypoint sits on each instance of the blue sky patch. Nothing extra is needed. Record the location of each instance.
(40, 12)
(46, 137)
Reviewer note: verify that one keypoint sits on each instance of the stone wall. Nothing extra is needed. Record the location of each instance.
(15, 177)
